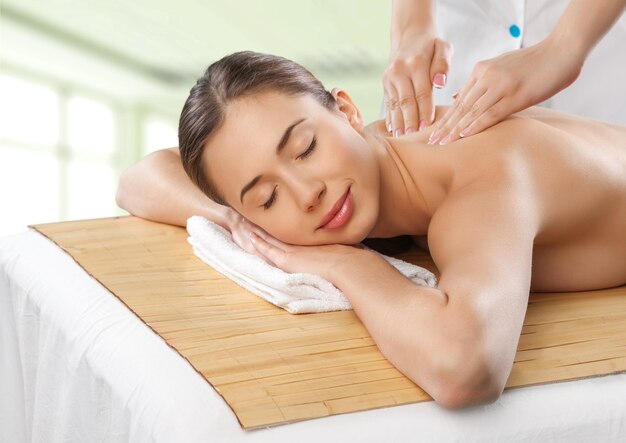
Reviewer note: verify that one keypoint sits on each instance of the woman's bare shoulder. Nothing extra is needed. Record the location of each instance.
(378, 126)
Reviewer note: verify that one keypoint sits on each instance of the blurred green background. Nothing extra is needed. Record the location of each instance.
(89, 87)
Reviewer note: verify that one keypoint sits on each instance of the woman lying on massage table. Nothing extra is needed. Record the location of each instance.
(534, 203)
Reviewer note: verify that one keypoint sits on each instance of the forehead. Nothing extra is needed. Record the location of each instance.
(261, 111)
(246, 141)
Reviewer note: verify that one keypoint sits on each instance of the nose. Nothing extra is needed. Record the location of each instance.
(308, 192)
(312, 195)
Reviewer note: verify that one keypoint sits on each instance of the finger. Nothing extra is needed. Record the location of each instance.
(387, 117)
(269, 251)
(440, 65)
(408, 104)
(387, 113)
(467, 107)
(273, 240)
(443, 125)
(392, 107)
(482, 105)
(262, 257)
(404, 108)
(425, 106)
(496, 113)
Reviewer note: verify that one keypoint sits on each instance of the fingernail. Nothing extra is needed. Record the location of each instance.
(439, 80)
(446, 139)
(434, 137)
(455, 95)
(398, 132)
(409, 130)
(388, 127)
(423, 124)
(463, 133)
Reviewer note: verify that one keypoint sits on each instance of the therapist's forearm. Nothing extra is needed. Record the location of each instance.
(158, 189)
(415, 328)
(410, 16)
(583, 24)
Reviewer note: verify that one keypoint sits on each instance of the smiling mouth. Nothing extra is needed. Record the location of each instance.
(340, 212)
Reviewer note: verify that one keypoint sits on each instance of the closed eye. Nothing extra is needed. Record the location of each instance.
(309, 149)
(305, 154)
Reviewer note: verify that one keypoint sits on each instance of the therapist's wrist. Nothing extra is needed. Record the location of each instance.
(410, 38)
(573, 45)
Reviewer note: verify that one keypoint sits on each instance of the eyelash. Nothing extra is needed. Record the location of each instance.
(305, 154)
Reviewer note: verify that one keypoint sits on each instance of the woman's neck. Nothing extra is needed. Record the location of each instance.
(415, 179)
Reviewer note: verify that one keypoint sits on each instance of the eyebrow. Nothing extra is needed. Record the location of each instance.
(281, 144)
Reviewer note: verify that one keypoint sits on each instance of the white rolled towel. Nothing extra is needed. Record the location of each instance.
(297, 293)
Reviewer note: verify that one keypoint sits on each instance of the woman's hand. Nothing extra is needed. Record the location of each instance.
(319, 260)
(240, 229)
(506, 84)
(419, 61)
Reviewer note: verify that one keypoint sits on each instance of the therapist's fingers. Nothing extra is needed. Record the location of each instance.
(440, 65)
(387, 114)
(466, 105)
(443, 127)
(403, 106)
(496, 113)
(393, 108)
(483, 105)
(425, 104)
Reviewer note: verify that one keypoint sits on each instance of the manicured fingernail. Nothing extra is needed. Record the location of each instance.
(439, 80)
(409, 130)
(446, 139)
(463, 133)
(388, 127)
(434, 137)
(423, 124)
(398, 132)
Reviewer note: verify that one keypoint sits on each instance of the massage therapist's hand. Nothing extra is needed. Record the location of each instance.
(418, 62)
(509, 83)
(319, 260)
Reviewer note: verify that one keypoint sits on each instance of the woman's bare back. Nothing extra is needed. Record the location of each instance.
(575, 169)
(578, 167)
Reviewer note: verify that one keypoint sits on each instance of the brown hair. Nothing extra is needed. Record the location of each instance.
(235, 76)
(239, 75)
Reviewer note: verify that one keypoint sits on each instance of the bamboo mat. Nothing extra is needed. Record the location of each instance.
(272, 367)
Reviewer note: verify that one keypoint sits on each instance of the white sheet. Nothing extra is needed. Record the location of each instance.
(77, 366)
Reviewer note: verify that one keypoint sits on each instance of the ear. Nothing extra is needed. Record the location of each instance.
(347, 107)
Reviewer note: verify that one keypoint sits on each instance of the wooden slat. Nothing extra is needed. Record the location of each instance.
(272, 367)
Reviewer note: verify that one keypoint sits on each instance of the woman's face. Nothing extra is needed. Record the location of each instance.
(324, 155)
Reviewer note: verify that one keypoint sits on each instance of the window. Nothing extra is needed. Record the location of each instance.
(159, 134)
(29, 112)
(59, 153)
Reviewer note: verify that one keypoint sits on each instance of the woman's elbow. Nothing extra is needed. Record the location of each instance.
(123, 191)
(468, 383)
(454, 399)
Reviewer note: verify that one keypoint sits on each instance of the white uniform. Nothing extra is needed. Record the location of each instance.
(483, 29)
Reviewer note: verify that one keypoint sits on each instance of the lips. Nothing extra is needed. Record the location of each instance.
(334, 210)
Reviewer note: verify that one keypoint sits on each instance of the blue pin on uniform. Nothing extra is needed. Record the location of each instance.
(515, 31)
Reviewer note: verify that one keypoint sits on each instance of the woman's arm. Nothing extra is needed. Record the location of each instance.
(457, 341)
(157, 188)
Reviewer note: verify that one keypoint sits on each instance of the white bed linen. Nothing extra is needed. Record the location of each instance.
(77, 366)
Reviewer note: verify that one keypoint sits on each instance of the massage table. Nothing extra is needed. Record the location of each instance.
(77, 365)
